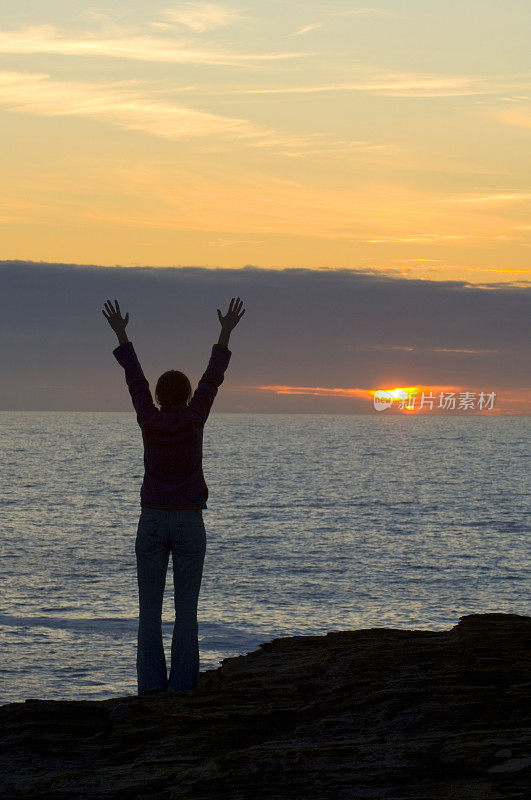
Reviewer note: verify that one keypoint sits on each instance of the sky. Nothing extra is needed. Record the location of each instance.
(310, 341)
(390, 138)
(359, 175)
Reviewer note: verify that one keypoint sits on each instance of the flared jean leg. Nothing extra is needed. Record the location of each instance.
(188, 558)
(152, 555)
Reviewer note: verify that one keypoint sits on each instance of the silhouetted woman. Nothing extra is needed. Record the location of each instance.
(173, 495)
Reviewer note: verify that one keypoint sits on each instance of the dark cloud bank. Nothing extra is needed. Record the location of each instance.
(329, 328)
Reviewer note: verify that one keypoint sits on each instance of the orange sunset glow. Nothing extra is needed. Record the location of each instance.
(419, 399)
(274, 134)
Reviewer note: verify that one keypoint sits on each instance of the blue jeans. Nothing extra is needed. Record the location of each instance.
(183, 533)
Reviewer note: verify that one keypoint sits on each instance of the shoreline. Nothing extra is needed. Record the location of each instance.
(381, 712)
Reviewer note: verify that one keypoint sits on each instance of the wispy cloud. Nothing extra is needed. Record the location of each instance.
(263, 204)
(325, 391)
(306, 29)
(113, 20)
(231, 242)
(127, 105)
(201, 16)
(521, 117)
(158, 196)
(47, 39)
(436, 265)
(430, 238)
(416, 349)
(117, 103)
(317, 391)
(129, 43)
(490, 197)
(403, 85)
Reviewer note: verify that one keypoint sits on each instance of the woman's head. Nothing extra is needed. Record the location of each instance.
(173, 388)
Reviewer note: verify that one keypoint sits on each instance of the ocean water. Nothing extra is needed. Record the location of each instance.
(315, 523)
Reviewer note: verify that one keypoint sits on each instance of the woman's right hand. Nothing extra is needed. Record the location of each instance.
(114, 317)
(233, 316)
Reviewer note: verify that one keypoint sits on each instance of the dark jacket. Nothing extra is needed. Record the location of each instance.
(173, 439)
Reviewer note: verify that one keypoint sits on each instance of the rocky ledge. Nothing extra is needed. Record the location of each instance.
(377, 713)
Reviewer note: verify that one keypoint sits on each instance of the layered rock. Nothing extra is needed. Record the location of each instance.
(377, 713)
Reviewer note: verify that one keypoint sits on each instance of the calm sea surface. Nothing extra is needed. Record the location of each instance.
(315, 523)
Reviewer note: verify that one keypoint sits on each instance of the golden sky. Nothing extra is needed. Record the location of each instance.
(393, 138)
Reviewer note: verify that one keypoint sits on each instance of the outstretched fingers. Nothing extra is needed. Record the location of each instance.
(238, 307)
(113, 315)
(235, 304)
